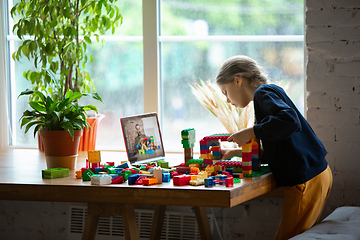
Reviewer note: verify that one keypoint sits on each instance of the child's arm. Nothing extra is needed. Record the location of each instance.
(243, 136)
(229, 153)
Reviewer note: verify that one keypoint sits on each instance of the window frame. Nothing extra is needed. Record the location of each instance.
(151, 39)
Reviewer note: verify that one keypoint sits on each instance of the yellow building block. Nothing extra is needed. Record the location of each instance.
(94, 156)
(193, 177)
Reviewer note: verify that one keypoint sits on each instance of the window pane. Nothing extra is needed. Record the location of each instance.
(283, 62)
(21, 104)
(232, 17)
(117, 73)
(131, 10)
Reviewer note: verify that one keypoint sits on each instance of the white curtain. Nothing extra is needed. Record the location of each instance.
(4, 120)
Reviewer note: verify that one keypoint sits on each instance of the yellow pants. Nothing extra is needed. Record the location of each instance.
(303, 205)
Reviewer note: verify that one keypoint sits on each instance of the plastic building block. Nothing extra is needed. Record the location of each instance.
(237, 180)
(99, 169)
(100, 179)
(94, 156)
(149, 181)
(139, 181)
(229, 182)
(209, 169)
(164, 165)
(118, 180)
(238, 175)
(181, 180)
(182, 169)
(209, 182)
(166, 177)
(55, 173)
(78, 174)
(158, 174)
(197, 182)
(86, 176)
(194, 170)
(132, 179)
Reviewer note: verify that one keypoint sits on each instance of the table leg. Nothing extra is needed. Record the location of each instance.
(158, 221)
(129, 222)
(203, 223)
(95, 210)
(91, 225)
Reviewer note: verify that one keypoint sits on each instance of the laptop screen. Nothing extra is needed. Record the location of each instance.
(142, 137)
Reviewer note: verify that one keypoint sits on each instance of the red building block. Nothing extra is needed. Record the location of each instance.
(117, 180)
(229, 182)
(181, 180)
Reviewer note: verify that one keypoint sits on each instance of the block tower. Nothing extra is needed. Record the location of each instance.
(188, 142)
(246, 158)
(255, 155)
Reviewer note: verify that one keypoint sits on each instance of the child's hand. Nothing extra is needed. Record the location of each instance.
(243, 136)
(229, 153)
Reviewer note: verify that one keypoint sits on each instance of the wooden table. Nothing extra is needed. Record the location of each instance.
(21, 179)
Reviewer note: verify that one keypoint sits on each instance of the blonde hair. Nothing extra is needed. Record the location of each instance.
(240, 66)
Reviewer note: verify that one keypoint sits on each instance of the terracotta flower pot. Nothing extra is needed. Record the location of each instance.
(88, 138)
(60, 149)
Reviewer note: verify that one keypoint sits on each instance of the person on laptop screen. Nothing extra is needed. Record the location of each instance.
(140, 138)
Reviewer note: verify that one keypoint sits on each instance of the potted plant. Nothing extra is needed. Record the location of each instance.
(55, 37)
(60, 124)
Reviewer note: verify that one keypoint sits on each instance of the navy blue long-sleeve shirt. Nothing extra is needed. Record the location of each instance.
(293, 151)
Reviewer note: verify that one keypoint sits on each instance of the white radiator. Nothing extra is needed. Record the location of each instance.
(177, 225)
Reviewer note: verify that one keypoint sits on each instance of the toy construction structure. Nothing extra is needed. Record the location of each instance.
(208, 170)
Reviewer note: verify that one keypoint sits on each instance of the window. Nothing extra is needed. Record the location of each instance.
(194, 38)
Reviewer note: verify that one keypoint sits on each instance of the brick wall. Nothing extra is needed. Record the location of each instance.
(333, 83)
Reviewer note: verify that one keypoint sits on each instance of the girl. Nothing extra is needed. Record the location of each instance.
(295, 155)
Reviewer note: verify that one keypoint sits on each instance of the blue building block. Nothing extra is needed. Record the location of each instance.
(230, 171)
(124, 165)
(217, 153)
(132, 178)
(209, 182)
(204, 147)
(166, 177)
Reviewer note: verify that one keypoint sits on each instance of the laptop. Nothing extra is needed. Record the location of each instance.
(142, 136)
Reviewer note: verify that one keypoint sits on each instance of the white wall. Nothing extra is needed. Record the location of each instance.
(333, 83)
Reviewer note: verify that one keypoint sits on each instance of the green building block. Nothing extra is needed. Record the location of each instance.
(86, 176)
(111, 170)
(188, 133)
(127, 174)
(237, 180)
(55, 173)
(164, 164)
(196, 161)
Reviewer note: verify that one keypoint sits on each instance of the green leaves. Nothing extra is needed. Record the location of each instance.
(55, 36)
(66, 114)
